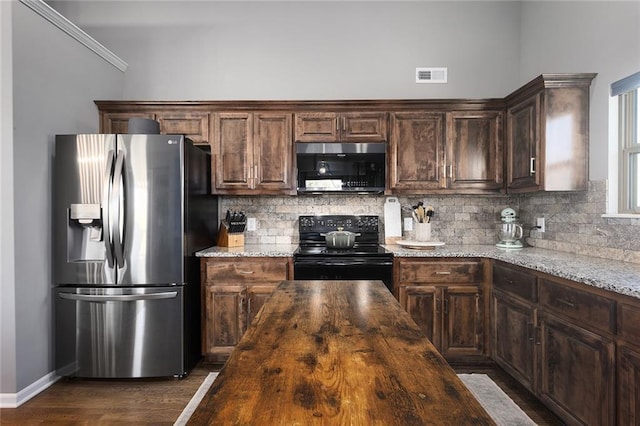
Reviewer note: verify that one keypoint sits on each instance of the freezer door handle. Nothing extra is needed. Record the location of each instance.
(118, 297)
(118, 198)
(106, 224)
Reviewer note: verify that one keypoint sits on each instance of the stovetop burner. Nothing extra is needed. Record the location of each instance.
(312, 243)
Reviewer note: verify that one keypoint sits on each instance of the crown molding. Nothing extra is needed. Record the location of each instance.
(53, 16)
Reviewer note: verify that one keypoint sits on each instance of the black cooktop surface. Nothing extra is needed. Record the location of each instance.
(321, 250)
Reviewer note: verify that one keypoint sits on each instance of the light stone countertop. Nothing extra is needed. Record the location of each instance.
(250, 250)
(616, 276)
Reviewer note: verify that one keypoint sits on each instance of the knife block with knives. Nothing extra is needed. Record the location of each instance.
(231, 233)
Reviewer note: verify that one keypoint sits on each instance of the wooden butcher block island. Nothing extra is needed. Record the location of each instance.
(338, 353)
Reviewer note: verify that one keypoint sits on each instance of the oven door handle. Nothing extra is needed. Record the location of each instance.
(356, 262)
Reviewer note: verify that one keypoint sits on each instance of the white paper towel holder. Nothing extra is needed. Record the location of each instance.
(392, 221)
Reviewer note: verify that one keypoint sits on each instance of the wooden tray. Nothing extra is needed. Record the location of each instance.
(420, 245)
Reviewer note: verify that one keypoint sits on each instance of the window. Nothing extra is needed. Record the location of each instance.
(627, 91)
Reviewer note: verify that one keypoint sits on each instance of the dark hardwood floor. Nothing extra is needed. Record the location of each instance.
(160, 401)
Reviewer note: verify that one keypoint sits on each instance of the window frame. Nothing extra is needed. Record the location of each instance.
(625, 105)
(629, 147)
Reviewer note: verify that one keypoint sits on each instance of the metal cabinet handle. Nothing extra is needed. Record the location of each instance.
(246, 272)
(566, 302)
(530, 331)
(532, 165)
(443, 272)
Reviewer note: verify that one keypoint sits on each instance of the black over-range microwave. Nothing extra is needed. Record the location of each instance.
(347, 167)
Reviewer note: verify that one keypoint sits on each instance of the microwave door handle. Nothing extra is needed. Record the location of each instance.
(106, 209)
(118, 199)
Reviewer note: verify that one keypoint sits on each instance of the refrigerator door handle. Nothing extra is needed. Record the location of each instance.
(106, 216)
(118, 200)
(118, 297)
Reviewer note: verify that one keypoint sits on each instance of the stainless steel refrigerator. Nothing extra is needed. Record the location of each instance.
(130, 211)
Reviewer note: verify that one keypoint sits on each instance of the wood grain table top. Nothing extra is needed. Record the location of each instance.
(336, 353)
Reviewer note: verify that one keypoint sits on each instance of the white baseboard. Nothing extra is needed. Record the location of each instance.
(14, 400)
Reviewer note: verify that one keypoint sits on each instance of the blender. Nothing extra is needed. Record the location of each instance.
(509, 231)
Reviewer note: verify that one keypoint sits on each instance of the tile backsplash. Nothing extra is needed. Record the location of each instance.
(574, 223)
(573, 220)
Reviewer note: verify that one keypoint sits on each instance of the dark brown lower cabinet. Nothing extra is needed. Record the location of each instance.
(229, 311)
(513, 337)
(628, 386)
(224, 319)
(450, 316)
(557, 338)
(233, 291)
(577, 372)
(463, 331)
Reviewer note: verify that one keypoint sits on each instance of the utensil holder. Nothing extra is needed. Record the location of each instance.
(422, 231)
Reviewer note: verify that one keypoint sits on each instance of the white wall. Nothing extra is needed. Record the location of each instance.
(55, 80)
(7, 270)
(365, 50)
(306, 50)
(601, 37)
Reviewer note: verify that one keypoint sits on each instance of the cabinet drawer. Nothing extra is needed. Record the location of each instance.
(589, 309)
(245, 270)
(514, 281)
(629, 324)
(442, 272)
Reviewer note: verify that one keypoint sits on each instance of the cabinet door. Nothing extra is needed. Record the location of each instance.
(317, 127)
(628, 386)
(118, 122)
(256, 296)
(423, 305)
(577, 378)
(513, 337)
(347, 127)
(523, 145)
(194, 125)
(462, 334)
(224, 319)
(416, 151)
(273, 151)
(233, 151)
(363, 127)
(474, 147)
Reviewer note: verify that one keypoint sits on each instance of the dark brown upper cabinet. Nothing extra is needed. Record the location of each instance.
(252, 153)
(548, 134)
(458, 151)
(341, 127)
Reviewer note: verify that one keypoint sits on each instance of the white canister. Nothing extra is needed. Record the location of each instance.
(422, 231)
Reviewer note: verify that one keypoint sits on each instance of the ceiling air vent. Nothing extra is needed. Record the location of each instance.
(431, 75)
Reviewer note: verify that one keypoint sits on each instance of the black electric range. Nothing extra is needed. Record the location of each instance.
(367, 260)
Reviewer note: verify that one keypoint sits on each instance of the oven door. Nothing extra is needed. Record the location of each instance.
(344, 268)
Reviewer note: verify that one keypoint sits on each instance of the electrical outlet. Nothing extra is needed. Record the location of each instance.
(251, 224)
(540, 224)
(408, 224)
